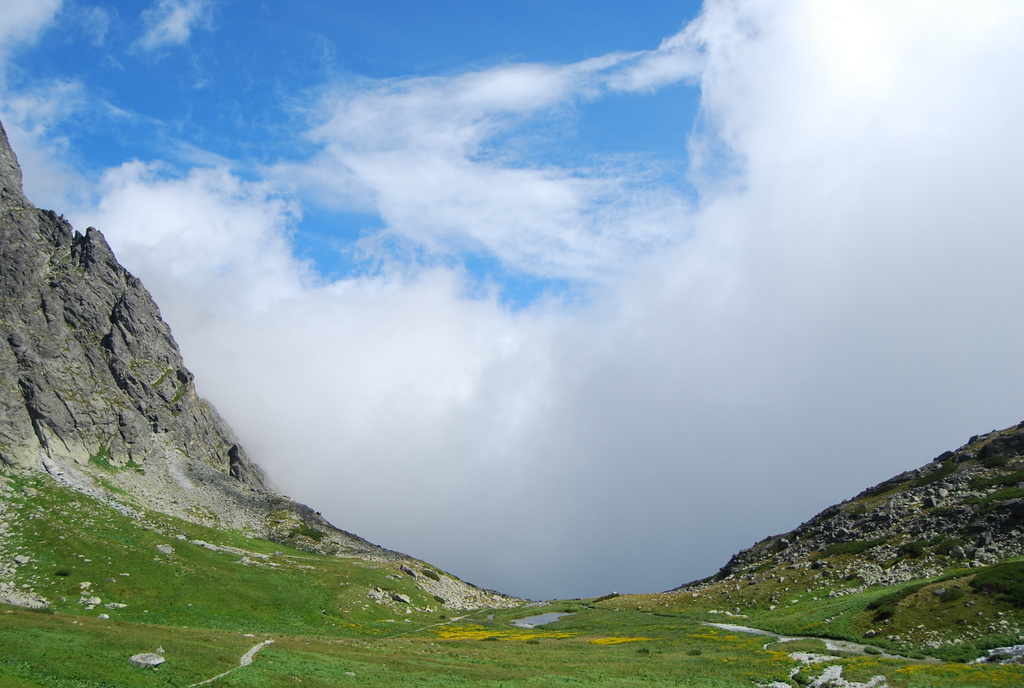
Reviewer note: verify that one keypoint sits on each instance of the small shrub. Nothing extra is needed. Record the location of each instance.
(439, 599)
(944, 469)
(62, 573)
(1010, 479)
(886, 605)
(305, 530)
(872, 650)
(643, 652)
(102, 457)
(1003, 581)
(853, 547)
(802, 678)
(946, 544)
(952, 594)
(491, 638)
(994, 460)
(913, 550)
(694, 652)
(533, 641)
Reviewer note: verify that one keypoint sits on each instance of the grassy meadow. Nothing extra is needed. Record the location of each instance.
(205, 597)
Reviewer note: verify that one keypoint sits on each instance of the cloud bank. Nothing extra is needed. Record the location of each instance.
(828, 297)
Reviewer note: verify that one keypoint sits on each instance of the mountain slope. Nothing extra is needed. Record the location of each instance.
(929, 561)
(94, 394)
(964, 508)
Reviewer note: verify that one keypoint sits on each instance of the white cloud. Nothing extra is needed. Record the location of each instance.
(216, 241)
(171, 22)
(839, 308)
(94, 22)
(23, 20)
(428, 156)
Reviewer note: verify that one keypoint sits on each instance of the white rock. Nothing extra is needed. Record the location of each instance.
(147, 659)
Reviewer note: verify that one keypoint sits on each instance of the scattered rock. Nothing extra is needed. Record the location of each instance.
(399, 597)
(21, 560)
(24, 600)
(166, 549)
(147, 659)
(407, 571)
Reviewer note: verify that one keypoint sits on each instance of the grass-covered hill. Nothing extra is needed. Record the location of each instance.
(203, 599)
(928, 563)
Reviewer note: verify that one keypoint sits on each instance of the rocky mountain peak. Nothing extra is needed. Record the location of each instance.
(10, 170)
(94, 392)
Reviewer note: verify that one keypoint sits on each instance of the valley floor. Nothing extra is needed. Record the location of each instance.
(595, 646)
(118, 585)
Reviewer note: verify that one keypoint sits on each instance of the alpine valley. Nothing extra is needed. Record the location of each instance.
(139, 545)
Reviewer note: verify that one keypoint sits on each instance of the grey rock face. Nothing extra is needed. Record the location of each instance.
(92, 385)
(87, 366)
(966, 504)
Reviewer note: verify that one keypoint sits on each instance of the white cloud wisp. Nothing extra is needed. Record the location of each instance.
(171, 22)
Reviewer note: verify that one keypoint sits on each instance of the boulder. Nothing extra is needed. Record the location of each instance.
(147, 659)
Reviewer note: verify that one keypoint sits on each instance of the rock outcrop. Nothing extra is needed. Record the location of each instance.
(964, 508)
(88, 369)
(93, 389)
(94, 393)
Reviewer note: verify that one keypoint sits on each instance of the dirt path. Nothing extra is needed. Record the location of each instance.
(245, 661)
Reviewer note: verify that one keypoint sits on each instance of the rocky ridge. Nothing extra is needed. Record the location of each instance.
(94, 393)
(965, 508)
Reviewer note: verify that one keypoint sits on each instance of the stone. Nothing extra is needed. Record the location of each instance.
(147, 659)
(399, 597)
(407, 571)
(99, 376)
(21, 559)
(166, 549)
(24, 600)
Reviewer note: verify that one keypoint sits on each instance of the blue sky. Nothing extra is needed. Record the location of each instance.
(237, 84)
(563, 297)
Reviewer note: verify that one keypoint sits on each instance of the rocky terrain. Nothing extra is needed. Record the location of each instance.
(963, 509)
(94, 394)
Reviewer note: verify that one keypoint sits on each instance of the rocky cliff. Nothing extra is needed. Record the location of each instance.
(965, 508)
(93, 389)
(94, 394)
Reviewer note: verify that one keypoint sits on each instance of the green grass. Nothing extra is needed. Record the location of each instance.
(200, 604)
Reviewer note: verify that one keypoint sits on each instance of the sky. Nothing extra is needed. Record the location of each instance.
(563, 297)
